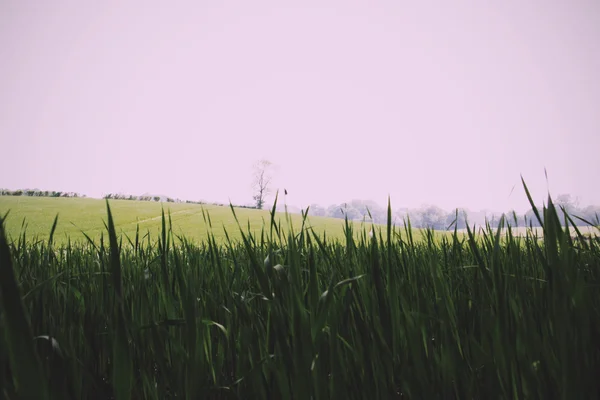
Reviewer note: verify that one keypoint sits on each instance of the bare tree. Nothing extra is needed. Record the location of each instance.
(261, 182)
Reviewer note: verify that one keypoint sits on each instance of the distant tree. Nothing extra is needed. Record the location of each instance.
(316, 210)
(262, 181)
(343, 211)
(531, 219)
(514, 219)
(589, 213)
(335, 211)
(156, 198)
(369, 207)
(433, 217)
(566, 201)
(570, 205)
(460, 220)
(351, 213)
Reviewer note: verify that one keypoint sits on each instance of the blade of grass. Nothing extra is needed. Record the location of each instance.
(25, 364)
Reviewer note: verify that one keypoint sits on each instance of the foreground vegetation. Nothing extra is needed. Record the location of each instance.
(290, 314)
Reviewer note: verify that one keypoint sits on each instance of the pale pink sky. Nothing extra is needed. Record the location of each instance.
(443, 102)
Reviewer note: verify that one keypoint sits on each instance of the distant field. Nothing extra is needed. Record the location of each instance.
(87, 215)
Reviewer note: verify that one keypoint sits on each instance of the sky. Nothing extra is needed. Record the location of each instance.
(428, 102)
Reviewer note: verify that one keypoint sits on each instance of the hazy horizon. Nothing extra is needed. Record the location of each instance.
(430, 103)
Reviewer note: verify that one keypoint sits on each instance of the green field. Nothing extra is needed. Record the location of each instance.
(79, 214)
(288, 315)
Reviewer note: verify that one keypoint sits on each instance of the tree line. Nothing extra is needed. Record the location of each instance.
(38, 193)
(432, 216)
(427, 216)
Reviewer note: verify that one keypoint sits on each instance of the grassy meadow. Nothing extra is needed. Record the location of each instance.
(77, 215)
(286, 313)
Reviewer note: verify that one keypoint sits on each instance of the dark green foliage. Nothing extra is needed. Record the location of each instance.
(292, 315)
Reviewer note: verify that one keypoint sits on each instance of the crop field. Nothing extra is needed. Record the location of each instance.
(287, 313)
(77, 215)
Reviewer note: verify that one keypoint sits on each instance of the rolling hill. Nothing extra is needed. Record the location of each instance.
(84, 214)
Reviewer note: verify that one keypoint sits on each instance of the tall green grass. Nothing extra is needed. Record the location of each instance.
(293, 315)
